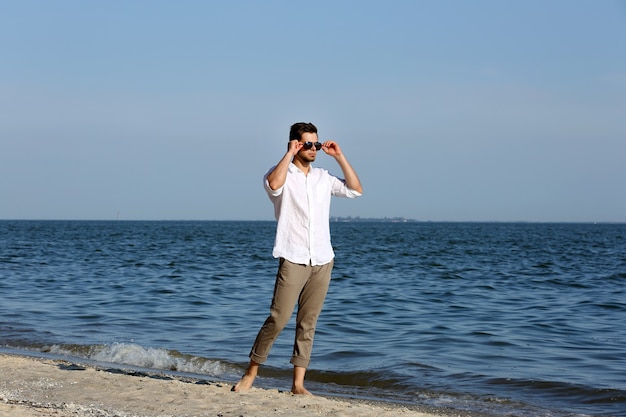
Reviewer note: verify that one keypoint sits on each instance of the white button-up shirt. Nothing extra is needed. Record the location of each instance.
(302, 209)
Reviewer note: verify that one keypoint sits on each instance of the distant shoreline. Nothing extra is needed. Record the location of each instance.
(351, 219)
(333, 219)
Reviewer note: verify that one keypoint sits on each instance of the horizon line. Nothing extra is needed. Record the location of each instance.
(332, 219)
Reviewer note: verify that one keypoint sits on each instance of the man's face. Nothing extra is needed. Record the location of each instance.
(308, 154)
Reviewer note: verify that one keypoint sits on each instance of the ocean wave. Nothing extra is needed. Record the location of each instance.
(145, 357)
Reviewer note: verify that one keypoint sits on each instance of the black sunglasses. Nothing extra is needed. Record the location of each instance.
(309, 145)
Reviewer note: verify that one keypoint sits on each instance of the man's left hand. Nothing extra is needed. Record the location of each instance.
(331, 148)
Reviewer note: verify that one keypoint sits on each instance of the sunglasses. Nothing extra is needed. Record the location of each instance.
(309, 145)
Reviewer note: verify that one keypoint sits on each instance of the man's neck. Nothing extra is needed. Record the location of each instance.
(303, 166)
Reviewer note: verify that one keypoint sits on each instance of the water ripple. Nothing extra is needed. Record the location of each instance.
(499, 313)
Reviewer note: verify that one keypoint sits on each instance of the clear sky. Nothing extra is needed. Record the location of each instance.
(449, 110)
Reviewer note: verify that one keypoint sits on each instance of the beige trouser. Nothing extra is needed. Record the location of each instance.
(307, 285)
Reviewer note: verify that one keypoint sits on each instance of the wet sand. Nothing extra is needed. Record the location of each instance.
(36, 387)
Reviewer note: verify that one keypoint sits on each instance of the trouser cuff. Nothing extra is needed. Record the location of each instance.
(258, 359)
(300, 362)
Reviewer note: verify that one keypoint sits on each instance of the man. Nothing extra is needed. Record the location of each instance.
(301, 197)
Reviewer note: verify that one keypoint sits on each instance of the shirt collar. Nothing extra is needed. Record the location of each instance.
(294, 169)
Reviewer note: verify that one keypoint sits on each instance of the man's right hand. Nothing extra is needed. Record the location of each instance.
(294, 147)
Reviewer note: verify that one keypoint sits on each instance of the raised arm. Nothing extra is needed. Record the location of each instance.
(352, 179)
(277, 177)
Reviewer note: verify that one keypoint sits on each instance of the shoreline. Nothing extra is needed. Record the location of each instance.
(32, 386)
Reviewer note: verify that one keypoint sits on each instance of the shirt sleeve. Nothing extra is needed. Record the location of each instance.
(271, 193)
(340, 189)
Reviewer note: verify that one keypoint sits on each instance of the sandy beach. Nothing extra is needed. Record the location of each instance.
(36, 387)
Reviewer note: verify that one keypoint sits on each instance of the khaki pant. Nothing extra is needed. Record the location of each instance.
(307, 285)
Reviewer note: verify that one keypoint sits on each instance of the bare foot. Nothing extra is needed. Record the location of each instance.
(247, 379)
(300, 391)
(297, 387)
(244, 383)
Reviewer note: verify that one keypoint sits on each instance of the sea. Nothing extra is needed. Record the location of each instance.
(502, 319)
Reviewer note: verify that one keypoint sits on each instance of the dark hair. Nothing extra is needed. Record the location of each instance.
(297, 129)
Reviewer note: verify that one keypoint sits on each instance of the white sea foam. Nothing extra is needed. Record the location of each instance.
(153, 358)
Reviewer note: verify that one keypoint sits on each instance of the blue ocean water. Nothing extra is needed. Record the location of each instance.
(499, 318)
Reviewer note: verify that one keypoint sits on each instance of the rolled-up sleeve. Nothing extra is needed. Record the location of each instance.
(266, 184)
(340, 189)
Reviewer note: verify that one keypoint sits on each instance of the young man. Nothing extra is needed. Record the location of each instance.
(301, 197)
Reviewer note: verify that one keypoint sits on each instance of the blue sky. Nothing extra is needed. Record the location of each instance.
(448, 110)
